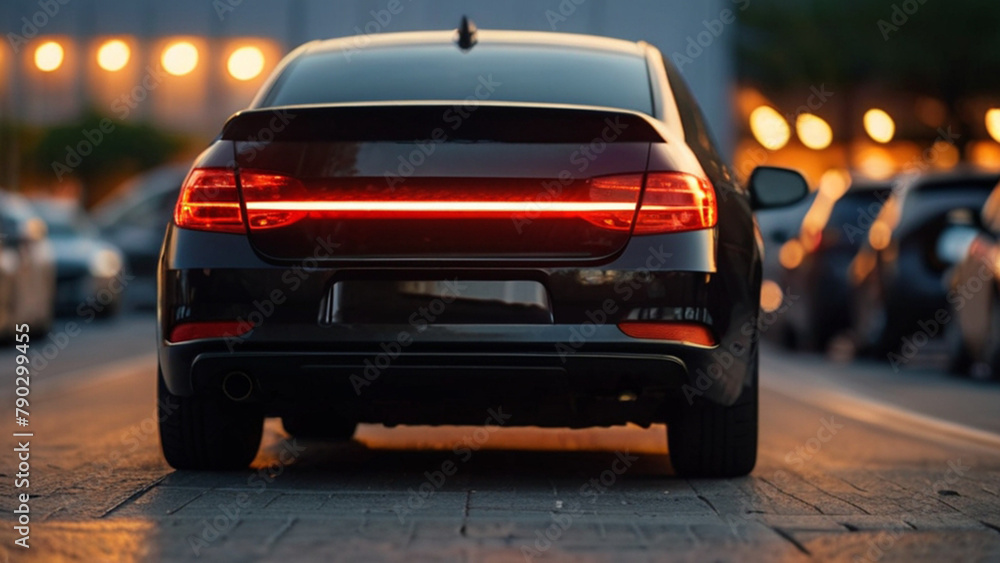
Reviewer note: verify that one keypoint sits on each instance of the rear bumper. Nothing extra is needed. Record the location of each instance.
(576, 369)
(546, 376)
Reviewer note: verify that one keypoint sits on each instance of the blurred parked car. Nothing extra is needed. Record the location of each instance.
(813, 266)
(135, 221)
(27, 268)
(88, 280)
(898, 272)
(974, 291)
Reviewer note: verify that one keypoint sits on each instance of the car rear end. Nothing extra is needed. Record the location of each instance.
(427, 262)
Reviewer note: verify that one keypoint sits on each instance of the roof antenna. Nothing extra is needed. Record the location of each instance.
(467, 34)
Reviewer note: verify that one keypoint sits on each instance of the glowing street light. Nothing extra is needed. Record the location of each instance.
(993, 123)
(49, 56)
(113, 55)
(180, 58)
(246, 63)
(813, 131)
(769, 128)
(879, 125)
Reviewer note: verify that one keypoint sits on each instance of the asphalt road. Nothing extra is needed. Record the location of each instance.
(845, 473)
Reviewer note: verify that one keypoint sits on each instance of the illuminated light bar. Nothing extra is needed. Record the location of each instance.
(438, 206)
(692, 333)
(200, 330)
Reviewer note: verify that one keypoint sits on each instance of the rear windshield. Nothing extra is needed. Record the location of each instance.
(442, 72)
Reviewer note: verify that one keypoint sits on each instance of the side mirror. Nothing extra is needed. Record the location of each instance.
(772, 187)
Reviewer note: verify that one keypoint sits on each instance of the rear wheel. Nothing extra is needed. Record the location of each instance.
(710, 440)
(207, 432)
(319, 427)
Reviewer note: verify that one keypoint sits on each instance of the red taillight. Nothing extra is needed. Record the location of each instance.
(209, 200)
(196, 331)
(672, 202)
(693, 333)
(675, 201)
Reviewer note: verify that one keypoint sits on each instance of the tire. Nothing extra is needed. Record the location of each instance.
(316, 427)
(710, 440)
(207, 432)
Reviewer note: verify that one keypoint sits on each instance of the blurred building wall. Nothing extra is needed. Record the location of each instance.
(199, 102)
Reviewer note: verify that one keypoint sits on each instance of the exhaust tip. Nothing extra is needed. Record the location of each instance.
(237, 386)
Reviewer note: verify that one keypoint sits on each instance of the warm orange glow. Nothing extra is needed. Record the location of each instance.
(880, 235)
(246, 63)
(813, 131)
(946, 155)
(49, 56)
(791, 255)
(834, 183)
(180, 58)
(993, 123)
(771, 296)
(985, 154)
(879, 125)
(769, 128)
(862, 266)
(876, 162)
(113, 55)
(692, 333)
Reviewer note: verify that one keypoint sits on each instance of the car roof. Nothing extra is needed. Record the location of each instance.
(485, 38)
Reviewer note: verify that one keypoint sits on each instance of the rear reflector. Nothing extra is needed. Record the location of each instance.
(197, 331)
(678, 332)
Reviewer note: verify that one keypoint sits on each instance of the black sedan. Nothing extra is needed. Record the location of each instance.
(447, 228)
(898, 271)
(814, 264)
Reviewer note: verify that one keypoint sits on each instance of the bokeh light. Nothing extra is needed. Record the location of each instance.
(49, 56)
(791, 254)
(769, 128)
(113, 55)
(180, 58)
(993, 123)
(813, 131)
(771, 296)
(879, 125)
(246, 63)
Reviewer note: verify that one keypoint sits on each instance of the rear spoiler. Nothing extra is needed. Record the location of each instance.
(442, 122)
